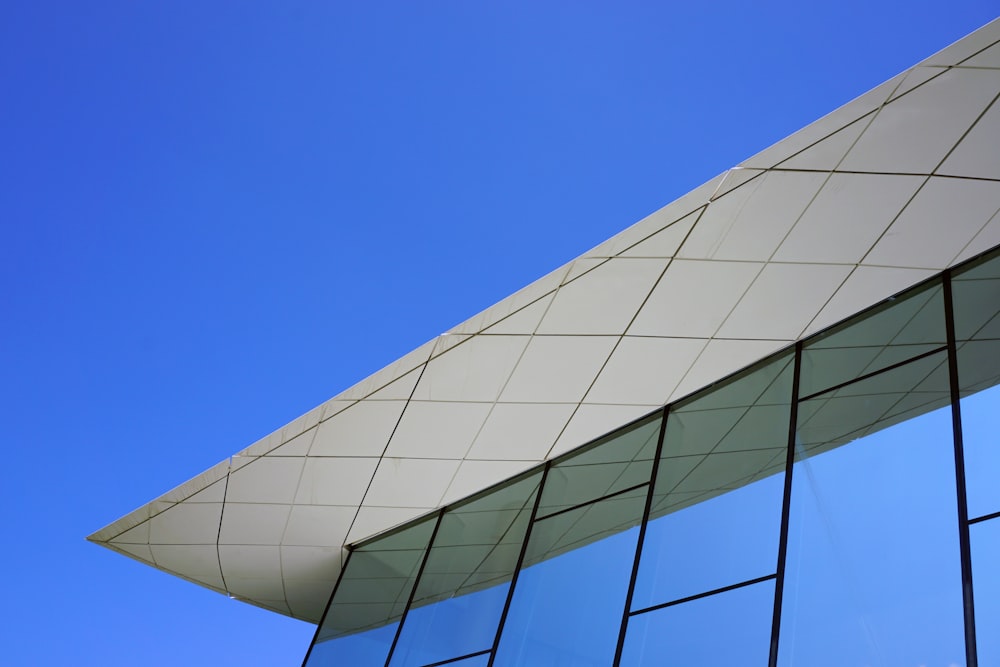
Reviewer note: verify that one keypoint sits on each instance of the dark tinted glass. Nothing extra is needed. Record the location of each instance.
(977, 330)
(891, 333)
(361, 621)
(616, 462)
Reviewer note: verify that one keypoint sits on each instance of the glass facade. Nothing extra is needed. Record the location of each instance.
(835, 504)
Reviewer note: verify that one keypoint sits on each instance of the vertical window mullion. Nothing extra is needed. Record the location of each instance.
(520, 563)
(642, 534)
(779, 582)
(329, 603)
(413, 590)
(971, 657)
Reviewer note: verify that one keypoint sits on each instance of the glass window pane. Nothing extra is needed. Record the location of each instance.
(717, 501)
(976, 294)
(722, 630)
(463, 588)
(614, 463)
(985, 538)
(977, 330)
(368, 647)
(893, 332)
(568, 603)
(474, 661)
(840, 416)
(361, 621)
(982, 451)
(873, 571)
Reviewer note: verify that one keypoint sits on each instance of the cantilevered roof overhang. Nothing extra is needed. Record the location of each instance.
(891, 188)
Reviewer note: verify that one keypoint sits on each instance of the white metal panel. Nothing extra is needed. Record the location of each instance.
(658, 220)
(824, 127)
(940, 112)
(524, 321)
(988, 238)
(318, 525)
(592, 420)
(373, 520)
(937, 223)
(253, 523)
(694, 298)
(335, 480)
(196, 561)
(825, 155)
(967, 47)
(750, 222)
(721, 357)
(361, 430)
(557, 369)
(978, 154)
(520, 431)
(476, 370)
(297, 446)
(270, 479)
(250, 561)
(643, 370)
(987, 58)
(473, 476)
(916, 77)
(513, 303)
(604, 300)
(847, 217)
(186, 524)
(783, 300)
(437, 430)
(410, 482)
(665, 242)
(865, 286)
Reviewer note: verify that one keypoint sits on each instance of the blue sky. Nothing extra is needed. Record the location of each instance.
(215, 216)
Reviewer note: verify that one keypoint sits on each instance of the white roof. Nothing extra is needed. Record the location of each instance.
(885, 191)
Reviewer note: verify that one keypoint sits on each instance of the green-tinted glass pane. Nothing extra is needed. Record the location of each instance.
(371, 596)
(893, 332)
(977, 329)
(862, 408)
(976, 299)
(873, 571)
(717, 499)
(462, 590)
(614, 463)
(568, 603)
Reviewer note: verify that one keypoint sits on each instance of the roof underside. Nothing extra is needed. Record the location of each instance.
(889, 189)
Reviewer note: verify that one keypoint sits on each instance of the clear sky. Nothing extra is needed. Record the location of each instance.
(215, 216)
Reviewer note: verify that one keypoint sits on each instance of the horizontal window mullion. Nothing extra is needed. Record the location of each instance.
(716, 591)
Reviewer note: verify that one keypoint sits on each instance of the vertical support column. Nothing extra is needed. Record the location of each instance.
(779, 581)
(642, 536)
(971, 657)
